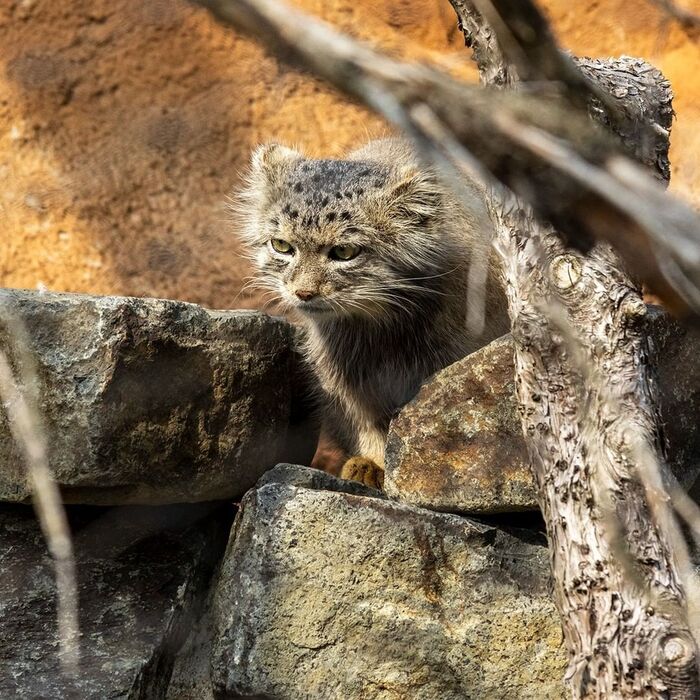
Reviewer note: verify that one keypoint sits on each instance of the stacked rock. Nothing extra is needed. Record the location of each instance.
(160, 415)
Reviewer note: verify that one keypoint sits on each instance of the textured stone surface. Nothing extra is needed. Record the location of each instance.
(191, 677)
(143, 575)
(324, 594)
(152, 401)
(306, 477)
(458, 445)
(191, 674)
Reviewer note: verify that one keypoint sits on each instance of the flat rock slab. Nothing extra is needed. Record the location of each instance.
(152, 401)
(458, 446)
(143, 574)
(325, 594)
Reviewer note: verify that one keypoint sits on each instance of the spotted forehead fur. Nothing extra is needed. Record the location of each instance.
(313, 201)
(314, 192)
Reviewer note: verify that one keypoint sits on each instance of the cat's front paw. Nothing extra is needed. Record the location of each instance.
(363, 470)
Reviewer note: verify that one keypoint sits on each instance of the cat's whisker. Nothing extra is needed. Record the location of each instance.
(267, 304)
(429, 277)
(391, 300)
(385, 295)
(272, 294)
(363, 308)
(415, 289)
(248, 284)
(348, 303)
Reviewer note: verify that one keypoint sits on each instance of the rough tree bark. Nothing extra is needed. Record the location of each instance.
(584, 381)
(625, 622)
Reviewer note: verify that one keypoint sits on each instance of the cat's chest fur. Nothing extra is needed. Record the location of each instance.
(382, 367)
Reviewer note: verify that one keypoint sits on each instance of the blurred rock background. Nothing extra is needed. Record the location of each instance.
(124, 124)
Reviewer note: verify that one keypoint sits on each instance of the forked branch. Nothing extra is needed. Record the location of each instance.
(574, 175)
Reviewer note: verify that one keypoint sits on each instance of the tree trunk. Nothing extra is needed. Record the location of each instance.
(588, 407)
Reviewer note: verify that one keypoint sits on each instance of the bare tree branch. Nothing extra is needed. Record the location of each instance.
(688, 19)
(525, 49)
(26, 426)
(573, 174)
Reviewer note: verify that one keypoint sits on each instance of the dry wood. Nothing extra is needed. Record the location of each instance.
(591, 437)
(550, 154)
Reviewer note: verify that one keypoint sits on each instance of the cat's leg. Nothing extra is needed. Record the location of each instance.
(367, 466)
(363, 470)
(352, 426)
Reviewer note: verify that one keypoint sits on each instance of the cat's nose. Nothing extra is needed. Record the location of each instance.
(305, 294)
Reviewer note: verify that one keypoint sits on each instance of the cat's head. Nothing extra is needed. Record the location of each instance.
(340, 237)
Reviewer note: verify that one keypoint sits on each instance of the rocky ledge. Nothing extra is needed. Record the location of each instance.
(330, 594)
(151, 401)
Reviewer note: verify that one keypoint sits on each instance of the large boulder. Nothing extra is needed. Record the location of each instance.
(326, 594)
(191, 677)
(153, 401)
(143, 575)
(458, 446)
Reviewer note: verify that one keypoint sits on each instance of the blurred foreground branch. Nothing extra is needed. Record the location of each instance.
(26, 426)
(686, 18)
(574, 175)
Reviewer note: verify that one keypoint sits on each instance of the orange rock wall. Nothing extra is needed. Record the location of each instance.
(125, 123)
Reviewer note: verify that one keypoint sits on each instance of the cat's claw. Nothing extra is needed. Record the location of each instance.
(363, 470)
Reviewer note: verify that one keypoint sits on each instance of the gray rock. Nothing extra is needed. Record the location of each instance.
(191, 676)
(143, 576)
(324, 594)
(153, 401)
(306, 477)
(458, 445)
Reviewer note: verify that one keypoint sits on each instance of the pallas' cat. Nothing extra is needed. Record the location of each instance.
(373, 254)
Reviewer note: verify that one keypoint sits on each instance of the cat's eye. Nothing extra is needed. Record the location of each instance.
(344, 252)
(279, 245)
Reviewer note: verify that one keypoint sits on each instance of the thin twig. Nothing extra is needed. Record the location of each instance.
(28, 431)
(686, 18)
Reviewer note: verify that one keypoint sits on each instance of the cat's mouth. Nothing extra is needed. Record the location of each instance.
(315, 307)
(323, 308)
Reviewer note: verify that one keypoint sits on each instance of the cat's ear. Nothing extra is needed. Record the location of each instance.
(269, 164)
(414, 198)
(262, 183)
